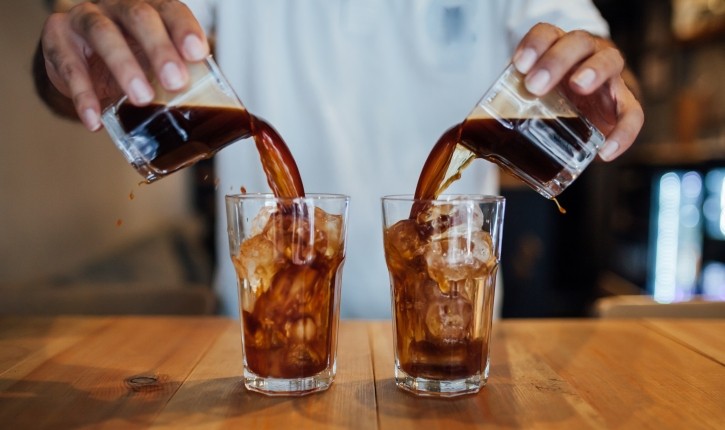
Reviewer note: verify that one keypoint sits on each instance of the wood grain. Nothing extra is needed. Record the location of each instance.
(90, 383)
(185, 372)
(708, 339)
(629, 376)
(568, 374)
(213, 397)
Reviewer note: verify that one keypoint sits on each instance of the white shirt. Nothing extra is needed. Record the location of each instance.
(361, 90)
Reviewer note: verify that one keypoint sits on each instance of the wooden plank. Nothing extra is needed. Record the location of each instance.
(78, 372)
(25, 343)
(629, 375)
(214, 397)
(567, 374)
(400, 410)
(117, 377)
(522, 392)
(704, 336)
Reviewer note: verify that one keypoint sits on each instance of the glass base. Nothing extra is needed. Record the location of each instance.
(437, 388)
(288, 387)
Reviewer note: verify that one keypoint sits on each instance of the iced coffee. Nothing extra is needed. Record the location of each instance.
(442, 256)
(288, 255)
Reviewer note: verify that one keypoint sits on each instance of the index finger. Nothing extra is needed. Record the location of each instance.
(539, 39)
(185, 31)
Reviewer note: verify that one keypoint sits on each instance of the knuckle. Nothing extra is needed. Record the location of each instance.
(609, 60)
(584, 38)
(68, 71)
(53, 23)
(93, 23)
(165, 5)
(542, 26)
(52, 55)
(82, 9)
(547, 28)
(614, 56)
(82, 97)
(139, 13)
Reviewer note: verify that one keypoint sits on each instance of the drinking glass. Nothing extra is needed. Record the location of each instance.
(288, 254)
(543, 140)
(442, 257)
(179, 128)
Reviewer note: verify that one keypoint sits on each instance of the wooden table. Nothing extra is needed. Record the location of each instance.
(159, 372)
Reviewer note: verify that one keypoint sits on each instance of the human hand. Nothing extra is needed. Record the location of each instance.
(101, 48)
(591, 72)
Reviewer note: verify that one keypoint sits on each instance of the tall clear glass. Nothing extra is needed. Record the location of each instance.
(288, 255)
(442, 256)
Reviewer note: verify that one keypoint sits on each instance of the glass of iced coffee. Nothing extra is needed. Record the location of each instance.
(288, 254)
(442, 257)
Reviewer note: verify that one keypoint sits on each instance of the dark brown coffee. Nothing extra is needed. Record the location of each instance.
(179, 136)
(501, 141)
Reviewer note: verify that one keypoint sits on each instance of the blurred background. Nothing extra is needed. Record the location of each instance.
(78, 234)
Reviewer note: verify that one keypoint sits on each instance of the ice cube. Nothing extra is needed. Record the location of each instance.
(453, 258)
(403, 245)
(260, 221)
(292, 236)
(444, 217)
(449, 260)
(483, 252)
(292, 290)
(301, 330)
(448, 320)
(257, 262)
(436, 217)
(302, 356)
(328, 233)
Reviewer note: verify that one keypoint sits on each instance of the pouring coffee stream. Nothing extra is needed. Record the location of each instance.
(463, 143)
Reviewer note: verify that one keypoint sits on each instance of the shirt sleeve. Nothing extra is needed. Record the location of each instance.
(566, 14)
(204, 11)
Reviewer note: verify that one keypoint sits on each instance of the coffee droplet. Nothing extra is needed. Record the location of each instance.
(243, 190)
(119, 222)
(131, 195)
(561, 208)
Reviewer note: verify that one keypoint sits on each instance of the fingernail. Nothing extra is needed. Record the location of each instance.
(538, 81)
(194, 49)
(91, 120)
(140, 91)
(524, 59)
(585, 78)
(608, 150)
(171, 74)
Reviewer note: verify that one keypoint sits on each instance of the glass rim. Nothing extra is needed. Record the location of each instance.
(271, 197)
(443, 198)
